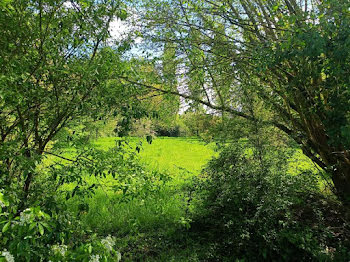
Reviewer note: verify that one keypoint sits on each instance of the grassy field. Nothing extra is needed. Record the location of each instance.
(142, 225)
(169, 154)
(172, 154)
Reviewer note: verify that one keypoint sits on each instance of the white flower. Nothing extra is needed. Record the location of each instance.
(25, 217)
(119, 256)
(59, 249)
(94, 258)
(108, 242)
(2, 204)
(8, 256)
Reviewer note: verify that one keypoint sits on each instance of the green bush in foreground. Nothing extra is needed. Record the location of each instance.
(252, 212)
(48, 230)
(37, 235)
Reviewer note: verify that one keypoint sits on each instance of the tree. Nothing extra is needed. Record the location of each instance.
(55, 65)
(291, 54)
(169, 67)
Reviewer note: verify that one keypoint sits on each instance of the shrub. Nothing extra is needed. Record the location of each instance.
(142, 127)
(169, 128)
(34, 235)
(254, 213)
(46, 229)
(172, 131)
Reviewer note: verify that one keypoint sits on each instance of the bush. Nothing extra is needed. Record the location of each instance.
(35, 235)
(257, 213)
(156, 127)
(46, 229)
(173, 128)
(142, 127)
(200, 124)
(171, 131)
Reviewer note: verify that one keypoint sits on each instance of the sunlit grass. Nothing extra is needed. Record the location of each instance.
(169, 154)
(180, 158)
(163, 213)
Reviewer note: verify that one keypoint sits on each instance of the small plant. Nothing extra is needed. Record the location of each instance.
(24, 235)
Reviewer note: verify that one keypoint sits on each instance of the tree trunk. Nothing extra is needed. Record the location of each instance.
(341, 181)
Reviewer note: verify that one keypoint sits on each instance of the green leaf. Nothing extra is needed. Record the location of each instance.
(6, 227)
(5, 2)
(47, 226)
(32, 225)
(41, 229)
(4, 200)
(123, 15)
(149, 139)
(47, 216)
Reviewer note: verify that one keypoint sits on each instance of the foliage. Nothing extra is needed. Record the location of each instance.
(200, 124)
(250, 213)
(285, 53)
(169, 130)
(185, 125)
(280, 65)
(142, 127)
(34, 235)
(28, 234)
(54, 81)
(55, 75)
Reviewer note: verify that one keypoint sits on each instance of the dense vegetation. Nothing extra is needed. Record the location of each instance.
(206, 131)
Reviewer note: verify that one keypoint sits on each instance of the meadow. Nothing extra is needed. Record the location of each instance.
(143, 224)
(151, 211)
(102, 136)
(169, 154)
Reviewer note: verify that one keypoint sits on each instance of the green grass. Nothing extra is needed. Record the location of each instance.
(180, 158)
(169, 154)
(141, 225)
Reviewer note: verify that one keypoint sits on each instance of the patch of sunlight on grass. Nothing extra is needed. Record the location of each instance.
(169, 154)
